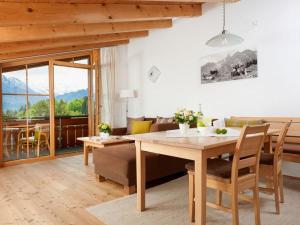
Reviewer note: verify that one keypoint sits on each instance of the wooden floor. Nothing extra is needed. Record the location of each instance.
(52, 192)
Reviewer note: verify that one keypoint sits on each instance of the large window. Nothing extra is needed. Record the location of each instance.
(29, 129)
(25, 108)
(71, 91)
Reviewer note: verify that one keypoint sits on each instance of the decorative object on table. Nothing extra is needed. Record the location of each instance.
(154, 74)
(225, 38)
(221, 131)
(104, 130)
(230, 65)
(127, 94)
(185, 118)
(200, 117)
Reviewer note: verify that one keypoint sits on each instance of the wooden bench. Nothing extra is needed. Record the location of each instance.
(292, 141)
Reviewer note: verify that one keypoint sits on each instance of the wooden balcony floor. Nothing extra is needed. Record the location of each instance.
(52, 192)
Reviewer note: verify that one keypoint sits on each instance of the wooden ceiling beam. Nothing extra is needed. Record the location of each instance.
(121, 1)
(23, 46)
(54, 51)
(14, 14)
(38, 32)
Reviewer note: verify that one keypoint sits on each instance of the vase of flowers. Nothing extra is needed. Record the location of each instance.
(104, 130)
(185, 118)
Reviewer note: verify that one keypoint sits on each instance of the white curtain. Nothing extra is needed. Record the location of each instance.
(108, 75)
(113, 79)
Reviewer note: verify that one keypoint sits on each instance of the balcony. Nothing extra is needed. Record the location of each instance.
(17, 145)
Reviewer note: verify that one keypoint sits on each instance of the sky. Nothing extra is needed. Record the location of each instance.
(66, 79)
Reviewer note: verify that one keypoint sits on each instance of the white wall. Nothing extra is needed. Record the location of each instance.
(272, 26)
(177, 52)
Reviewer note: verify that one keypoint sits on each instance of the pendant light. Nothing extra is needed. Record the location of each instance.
(225, 38)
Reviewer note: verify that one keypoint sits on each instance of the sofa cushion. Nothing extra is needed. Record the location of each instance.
(164, 119)
(218, 167)
(241, 123)
(129, 123)
(156, 127)
(140, 127)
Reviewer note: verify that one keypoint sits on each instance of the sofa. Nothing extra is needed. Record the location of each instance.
(291, 148)
(118, 163)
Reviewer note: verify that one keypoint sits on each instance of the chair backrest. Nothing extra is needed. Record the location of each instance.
(40, 128)
(248, 148)
(279, 146)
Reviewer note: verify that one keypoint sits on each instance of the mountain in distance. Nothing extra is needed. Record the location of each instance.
(69, 96)
(224, 66)
(14, 85)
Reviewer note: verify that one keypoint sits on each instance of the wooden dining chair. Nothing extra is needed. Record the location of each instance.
(270, 169)
(38, 136)
(234, 176)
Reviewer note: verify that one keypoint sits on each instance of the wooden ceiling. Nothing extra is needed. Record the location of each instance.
(42, 27)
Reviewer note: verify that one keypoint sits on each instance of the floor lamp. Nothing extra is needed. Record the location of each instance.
(127, 94)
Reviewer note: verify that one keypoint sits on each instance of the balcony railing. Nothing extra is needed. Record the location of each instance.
(67, 130)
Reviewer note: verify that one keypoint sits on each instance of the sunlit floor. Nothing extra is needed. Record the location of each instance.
(54, 192)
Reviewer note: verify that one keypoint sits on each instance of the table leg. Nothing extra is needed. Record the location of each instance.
(141, 176)
(268, 144)
(200, 189)
(86, 154)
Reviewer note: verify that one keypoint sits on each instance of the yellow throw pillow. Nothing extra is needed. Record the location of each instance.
(140, 127)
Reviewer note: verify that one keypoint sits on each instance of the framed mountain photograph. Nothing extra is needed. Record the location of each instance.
(232, 65)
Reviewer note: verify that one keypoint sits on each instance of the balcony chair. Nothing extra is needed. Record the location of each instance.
(270, 169)
(233, 176)
(38, 136)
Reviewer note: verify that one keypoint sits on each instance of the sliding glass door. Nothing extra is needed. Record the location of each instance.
(25, 112)
(71, 91)
(46, 106)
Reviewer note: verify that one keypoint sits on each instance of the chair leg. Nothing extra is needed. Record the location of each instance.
(219, 197)
(18, 150)
(191, 197)
(234, 207)
(280, 179)
(276, 192)
(256, 204)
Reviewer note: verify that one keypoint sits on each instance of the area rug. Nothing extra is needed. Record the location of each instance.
(167, 204)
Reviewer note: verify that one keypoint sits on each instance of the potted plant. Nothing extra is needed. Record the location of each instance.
(104, 130)
(185, 118)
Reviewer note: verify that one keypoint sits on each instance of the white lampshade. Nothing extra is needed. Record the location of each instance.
(224, 39)
(128, 94)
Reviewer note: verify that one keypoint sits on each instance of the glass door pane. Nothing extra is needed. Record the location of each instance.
(71, 108)
(25, 105)
(14, 128)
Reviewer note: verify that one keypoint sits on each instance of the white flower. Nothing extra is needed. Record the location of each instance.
(186, 113)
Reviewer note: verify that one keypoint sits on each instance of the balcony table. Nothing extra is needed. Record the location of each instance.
(196, 148)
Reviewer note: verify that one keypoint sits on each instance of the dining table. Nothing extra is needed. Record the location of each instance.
(194, 146)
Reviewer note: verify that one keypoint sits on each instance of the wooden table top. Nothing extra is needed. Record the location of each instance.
(200, 142)
(98, 140)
